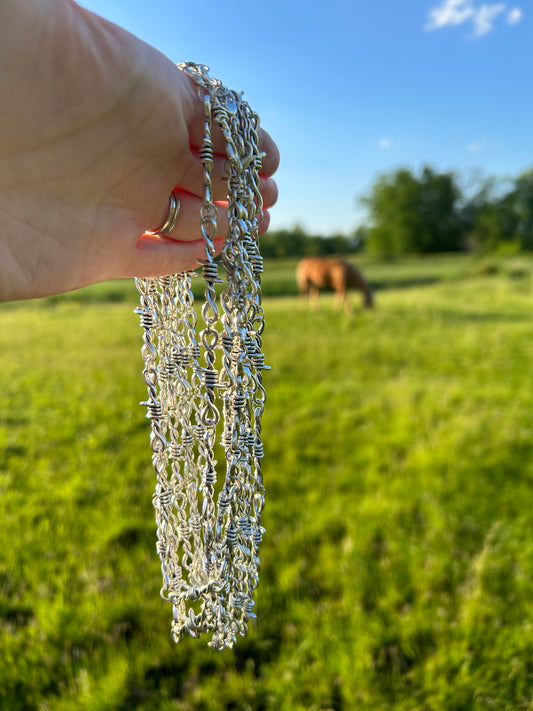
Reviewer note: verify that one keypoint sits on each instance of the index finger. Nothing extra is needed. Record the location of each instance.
(267, 145)
(271, 151)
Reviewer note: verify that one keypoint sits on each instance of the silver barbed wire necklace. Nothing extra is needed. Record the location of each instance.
(206, 395)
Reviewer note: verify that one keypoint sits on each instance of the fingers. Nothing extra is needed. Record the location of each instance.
(182, 248)
(267, 145)
(157, 256)
(193, 179)
(188, 226)
(271, 158)
(269, 191)
(265, 222)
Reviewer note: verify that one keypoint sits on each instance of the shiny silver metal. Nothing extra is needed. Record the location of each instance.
(168, 225)
(203, 372)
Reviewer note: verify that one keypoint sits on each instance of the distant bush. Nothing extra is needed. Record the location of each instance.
(296, 242)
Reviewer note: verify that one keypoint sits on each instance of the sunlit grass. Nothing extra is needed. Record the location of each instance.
(397, 567)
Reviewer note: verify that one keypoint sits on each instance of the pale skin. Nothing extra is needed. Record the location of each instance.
(96, 129)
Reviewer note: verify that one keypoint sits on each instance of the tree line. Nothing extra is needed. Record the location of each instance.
(296, 242)
(426, 213)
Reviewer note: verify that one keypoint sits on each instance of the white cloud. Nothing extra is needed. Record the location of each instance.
(476, 146)
(451, 13)
(514, 16)
(484, 18)
(385, 142)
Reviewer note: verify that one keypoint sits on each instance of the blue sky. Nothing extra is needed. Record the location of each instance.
(350, 89)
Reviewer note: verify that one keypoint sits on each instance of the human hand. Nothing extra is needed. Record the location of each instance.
(98, 128)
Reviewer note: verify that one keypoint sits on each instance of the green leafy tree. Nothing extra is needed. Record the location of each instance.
(410, 214)
(520, 205)
(490, 228)
(500, 214)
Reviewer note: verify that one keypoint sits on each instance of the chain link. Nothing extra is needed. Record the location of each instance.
(206, 395)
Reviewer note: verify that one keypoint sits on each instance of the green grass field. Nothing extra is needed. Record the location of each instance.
(397, 567)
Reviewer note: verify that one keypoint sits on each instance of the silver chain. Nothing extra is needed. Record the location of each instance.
(206, 397)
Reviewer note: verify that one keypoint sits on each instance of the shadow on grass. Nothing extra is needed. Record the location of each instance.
(405, 283)
(451, 316)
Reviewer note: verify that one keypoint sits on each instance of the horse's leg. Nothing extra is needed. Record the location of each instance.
(348, 303)
(340, 299)
(303, 297)
(314, 294)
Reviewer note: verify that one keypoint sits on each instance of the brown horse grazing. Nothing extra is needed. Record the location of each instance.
(317, 273)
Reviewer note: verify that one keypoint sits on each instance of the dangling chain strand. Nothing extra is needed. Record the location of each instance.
(205, 390)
